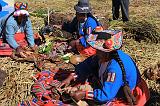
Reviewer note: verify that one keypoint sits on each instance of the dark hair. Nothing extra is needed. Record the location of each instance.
(114, 55)
(126, 89)
(25, 17)
(83, 14)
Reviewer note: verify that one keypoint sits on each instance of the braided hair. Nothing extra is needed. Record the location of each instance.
(114, 55)
(130, 98)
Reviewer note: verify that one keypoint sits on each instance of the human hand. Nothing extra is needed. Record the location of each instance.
(57, 26)
(67, 81)
(70, 89)
(69, 18)
(34, 48)
(21, 52)
(78, 95)
(73, 44)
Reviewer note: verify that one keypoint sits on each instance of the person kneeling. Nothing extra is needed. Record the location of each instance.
(16, 28)
(111, 72)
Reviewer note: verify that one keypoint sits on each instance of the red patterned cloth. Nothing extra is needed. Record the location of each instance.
(45, 89)
(36, 102)
(6, 50)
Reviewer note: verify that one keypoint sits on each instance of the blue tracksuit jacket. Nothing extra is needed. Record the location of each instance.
(83, 29)
(112, 76)
(88, 26)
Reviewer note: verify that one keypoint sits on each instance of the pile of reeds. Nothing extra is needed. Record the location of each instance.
(153, 72)
(143, 30)
(18, 83)
(2, 77)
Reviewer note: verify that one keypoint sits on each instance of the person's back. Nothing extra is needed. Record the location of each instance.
(113, 74)
(113, 77)
(130, 68)
(3, 20)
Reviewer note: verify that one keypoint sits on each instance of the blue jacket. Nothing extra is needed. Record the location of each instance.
(12, 27)
(112, 77)
(83, 29)
(89, 25)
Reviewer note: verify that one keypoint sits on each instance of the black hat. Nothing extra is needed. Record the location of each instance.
(82, 6)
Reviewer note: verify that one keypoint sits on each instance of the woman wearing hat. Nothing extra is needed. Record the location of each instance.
(17, 27)
(112, 73)
(83, 24)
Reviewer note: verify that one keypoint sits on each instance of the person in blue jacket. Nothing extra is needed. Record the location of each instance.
(112, 73)
(17, 26)
(82, 24)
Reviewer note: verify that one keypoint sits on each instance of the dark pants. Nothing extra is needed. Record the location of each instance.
(124, 4)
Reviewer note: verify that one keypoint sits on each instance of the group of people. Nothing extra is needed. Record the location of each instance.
(15, 26)
(111, 73)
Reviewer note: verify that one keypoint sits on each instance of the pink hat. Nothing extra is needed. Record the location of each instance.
(21, 12)
(21, 9)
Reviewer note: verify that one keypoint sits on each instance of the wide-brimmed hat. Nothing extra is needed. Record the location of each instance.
(21, 9)
(83, 6)
(107, 40)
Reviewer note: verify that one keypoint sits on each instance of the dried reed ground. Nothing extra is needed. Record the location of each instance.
(19, 80)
